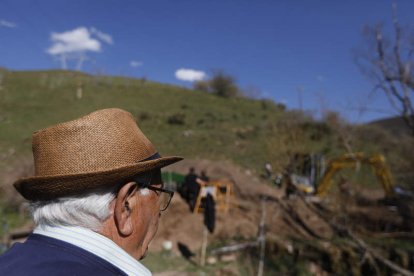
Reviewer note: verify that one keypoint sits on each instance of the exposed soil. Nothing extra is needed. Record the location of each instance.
(178, 224)
(287, 219)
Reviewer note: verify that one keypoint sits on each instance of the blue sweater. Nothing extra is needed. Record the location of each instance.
(41, 255)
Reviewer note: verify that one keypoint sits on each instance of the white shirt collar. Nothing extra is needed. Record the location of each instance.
(96, 244)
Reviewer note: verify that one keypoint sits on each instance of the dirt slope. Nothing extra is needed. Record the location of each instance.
(178, 224)
(284, 217)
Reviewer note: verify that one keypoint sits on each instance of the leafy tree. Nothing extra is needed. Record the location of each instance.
(223, 85)
(220, 84)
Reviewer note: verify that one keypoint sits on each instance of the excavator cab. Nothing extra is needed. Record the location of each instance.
(304, 172)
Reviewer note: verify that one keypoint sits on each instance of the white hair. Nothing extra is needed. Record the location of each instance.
(88, 211)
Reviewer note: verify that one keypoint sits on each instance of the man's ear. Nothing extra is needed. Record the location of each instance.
(123, 208)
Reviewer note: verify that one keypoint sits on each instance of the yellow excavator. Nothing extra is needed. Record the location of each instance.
(309, 173)
(318, 177)
(352, 160)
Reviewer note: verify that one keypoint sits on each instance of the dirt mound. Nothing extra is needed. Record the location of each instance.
(286, 219)
(328, 235)
(242, 222)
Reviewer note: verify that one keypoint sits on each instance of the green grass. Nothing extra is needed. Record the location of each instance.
(167, 261)
(34, 100)
(164, 261)
(9, 220)
(248, 132)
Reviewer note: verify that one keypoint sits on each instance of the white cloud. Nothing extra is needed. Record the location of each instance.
(135, 64)
(7, 24)
(74, 44)
(78, 40)
(189, 75)
(102, 36)
(74, 41)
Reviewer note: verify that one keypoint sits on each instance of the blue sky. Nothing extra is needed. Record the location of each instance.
(282, 48)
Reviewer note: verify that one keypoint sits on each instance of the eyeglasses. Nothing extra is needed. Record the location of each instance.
(165, 196)
(148, 180)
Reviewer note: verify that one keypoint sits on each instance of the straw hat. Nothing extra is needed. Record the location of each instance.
(100, 150)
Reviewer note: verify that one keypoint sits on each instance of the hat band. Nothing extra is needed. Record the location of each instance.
(152, 157)
(145, 178)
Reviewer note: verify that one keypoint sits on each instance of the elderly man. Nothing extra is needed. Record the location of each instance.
(96, 199)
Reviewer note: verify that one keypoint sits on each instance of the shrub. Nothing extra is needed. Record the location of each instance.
(176, 119)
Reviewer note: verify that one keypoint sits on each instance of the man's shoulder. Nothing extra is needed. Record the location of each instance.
(190, 177)
(41, 255)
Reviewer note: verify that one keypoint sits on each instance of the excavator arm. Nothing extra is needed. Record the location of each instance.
(377, 162)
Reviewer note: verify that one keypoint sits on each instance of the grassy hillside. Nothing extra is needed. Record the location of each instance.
(179, 121)
(198, 125)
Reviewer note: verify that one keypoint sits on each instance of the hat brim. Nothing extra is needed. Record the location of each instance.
(56, 186)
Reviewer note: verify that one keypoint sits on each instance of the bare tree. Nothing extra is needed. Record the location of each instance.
(388, 62)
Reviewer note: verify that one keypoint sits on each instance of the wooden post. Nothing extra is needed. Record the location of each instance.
(262, 238)
(204, 247)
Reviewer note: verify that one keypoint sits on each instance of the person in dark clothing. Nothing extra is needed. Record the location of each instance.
(204, 176)
(191, 177)
(192, 187)
(209, 213)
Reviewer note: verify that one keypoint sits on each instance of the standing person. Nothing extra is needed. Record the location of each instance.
(191, 176)
(96, 199)
(191, 182)
(204, 177)
(268, 170)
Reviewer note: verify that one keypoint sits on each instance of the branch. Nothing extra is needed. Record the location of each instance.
(397, 235)
(403, 69)
(388, 77)
(294, 220)
(389, 94)
(233, 248)
(404, 74)
(385, 261)
(344, 231)
(397, 47)
(405, 79)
